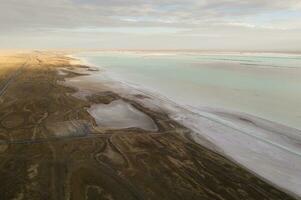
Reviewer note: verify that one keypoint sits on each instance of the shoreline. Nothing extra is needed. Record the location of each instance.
(173, 110)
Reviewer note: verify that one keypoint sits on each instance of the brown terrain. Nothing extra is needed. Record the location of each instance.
(52, 148)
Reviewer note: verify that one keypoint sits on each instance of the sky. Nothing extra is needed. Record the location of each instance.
(246, 25)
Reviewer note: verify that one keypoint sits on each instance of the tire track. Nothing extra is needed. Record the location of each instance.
(11, 79)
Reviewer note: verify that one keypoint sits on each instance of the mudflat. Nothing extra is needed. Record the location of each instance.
(52, 148)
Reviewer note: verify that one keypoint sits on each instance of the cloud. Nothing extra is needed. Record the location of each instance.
(56, 18)
(77, 13)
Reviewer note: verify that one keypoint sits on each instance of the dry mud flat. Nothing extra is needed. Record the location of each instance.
(52, 148)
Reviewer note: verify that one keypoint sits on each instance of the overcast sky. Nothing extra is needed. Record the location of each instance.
(272, 25)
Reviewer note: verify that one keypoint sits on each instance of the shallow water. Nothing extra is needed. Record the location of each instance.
(264, 85)
(119, 114)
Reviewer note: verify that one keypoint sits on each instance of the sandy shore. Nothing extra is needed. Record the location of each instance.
(53, 148)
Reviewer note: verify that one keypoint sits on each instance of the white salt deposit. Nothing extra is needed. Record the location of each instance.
(267, 148)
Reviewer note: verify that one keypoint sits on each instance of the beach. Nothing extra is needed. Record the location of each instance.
(69, 133)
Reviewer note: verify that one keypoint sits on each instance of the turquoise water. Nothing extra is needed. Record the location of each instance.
(264, 85)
